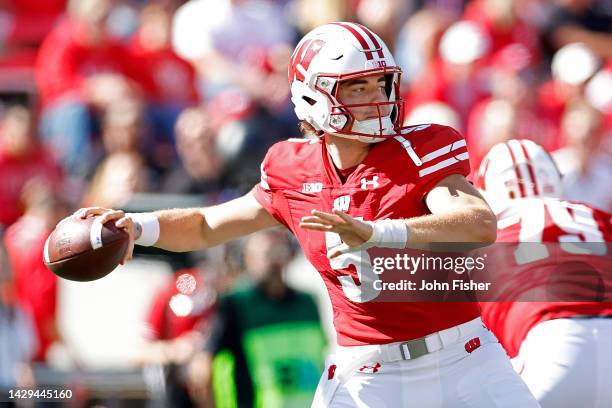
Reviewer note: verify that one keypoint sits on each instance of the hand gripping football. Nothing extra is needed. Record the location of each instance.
(84, 249)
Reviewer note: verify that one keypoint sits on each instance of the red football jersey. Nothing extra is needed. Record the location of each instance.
(547, 220)
(64, 61)
(164, 76)
(185, 304)
(299, 176)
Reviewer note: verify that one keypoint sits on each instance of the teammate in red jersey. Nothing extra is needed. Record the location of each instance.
(408, 185)
(561, 348)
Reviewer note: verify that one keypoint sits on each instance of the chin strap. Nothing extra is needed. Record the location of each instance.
(373, 126)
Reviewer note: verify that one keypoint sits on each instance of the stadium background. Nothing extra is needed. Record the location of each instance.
(142, 105)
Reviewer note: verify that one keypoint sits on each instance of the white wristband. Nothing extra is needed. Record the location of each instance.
(149, 228)
(388, 234)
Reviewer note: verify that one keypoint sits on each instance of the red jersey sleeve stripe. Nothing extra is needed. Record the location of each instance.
(444, 163)
(443, 150)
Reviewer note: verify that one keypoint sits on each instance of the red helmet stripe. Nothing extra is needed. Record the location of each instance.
(481, 175)
(530, 168)
(359, 38)
(373, 39)
(516, 170)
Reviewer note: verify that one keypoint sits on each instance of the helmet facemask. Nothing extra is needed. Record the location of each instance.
(342, 120)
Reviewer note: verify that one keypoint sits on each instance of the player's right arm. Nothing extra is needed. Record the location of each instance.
(192, 229)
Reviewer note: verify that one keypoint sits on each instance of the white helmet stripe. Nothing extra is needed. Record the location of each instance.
(367, 47)
(370, 39)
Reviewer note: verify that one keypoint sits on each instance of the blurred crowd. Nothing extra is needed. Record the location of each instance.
(101, 100)
(107, 98)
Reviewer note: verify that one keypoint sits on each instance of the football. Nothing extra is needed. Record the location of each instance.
(83, 249)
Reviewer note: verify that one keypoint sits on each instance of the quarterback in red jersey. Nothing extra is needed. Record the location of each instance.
(363, 182)
(560, 347)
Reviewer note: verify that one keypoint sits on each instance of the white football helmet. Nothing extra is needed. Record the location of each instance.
(337, 52)
(517, 169)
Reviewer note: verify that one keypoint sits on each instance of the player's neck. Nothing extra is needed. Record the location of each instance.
(346, 153)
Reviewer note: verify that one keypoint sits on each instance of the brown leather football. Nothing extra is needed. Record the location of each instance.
(84, 249)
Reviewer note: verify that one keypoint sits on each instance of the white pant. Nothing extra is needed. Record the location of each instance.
(568, 363)
(367, 376)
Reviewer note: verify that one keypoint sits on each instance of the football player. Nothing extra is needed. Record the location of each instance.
(361, 181)
(561, 348)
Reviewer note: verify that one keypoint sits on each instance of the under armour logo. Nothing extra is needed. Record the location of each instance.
(365, 183)
(342, 203)
(370, 369)
(472, 344)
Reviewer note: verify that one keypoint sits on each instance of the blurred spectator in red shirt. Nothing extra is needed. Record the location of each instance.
(25, 241)
(512, 78)
(177, 320)
(418, 41)
(181, 308)
(17, 336)
(572, 67)
(457, 78)
(22, 158)
(169, 81)
(503, 23)
(80, 69)
(30, 20)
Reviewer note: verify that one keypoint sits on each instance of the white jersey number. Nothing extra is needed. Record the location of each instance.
(573, 219)
(360, 259)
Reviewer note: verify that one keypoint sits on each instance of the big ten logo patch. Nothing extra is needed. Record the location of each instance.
(342, 203)
(376, 64)
(312, 187)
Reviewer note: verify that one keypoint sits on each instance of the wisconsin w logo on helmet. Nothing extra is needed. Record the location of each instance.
(302, 57)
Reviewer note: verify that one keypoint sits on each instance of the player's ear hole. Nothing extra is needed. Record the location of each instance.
(310, 101)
